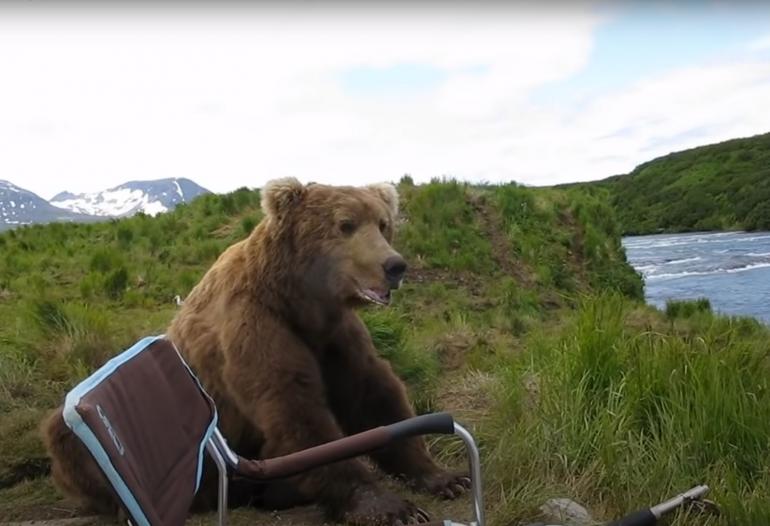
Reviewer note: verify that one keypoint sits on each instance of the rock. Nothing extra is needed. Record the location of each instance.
(566, 512)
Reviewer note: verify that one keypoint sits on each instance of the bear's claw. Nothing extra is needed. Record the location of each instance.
(420, 517)
(444, 484)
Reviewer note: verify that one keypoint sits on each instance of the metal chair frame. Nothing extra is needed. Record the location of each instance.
(225, 457)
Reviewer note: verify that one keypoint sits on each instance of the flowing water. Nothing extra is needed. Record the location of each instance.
(731, 269)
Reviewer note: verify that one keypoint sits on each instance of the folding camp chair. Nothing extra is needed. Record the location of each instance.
(146, 420)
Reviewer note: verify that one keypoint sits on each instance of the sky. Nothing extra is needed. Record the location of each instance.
(232, 96)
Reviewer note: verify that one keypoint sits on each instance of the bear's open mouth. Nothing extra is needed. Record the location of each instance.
(375, 296)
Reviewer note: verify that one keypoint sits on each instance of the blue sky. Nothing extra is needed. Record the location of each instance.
(639, 40)
(493, 91)
(634, 40)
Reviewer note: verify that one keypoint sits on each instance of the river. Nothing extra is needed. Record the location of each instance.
(731, 269)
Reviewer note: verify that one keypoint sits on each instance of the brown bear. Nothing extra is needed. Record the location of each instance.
(272, 332)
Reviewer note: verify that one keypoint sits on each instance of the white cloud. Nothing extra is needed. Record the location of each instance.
(237, 98)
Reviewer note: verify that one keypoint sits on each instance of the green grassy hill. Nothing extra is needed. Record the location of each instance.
(723, 186)
(520, 315)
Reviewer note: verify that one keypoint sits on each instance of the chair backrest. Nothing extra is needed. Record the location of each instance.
(146, 420)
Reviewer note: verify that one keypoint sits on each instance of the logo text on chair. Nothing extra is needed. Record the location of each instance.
(110, 430)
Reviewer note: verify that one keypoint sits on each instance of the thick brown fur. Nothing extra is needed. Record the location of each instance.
(272, 332)
(74, 470)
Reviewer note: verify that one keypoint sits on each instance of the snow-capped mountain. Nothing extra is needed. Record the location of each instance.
(149, 197)
(22, 207)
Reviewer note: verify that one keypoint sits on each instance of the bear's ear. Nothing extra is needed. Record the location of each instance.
(279, 195)
(388, 193)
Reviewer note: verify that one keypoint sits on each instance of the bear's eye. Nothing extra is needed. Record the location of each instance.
(383, 225)
(347, 227)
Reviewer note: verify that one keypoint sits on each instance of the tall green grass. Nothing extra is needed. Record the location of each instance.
(622, 418)
(532, 223)
(442, 229)
(571, 239)
(686, 309)
(393, 338)
(72, 338)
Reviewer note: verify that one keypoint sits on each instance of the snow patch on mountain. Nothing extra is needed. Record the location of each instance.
(148, 197)
(114, 202)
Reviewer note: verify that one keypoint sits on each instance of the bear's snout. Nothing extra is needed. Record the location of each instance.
(395, 268)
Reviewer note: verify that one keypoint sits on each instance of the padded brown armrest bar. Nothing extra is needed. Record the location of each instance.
(430, 424)
(345, 448)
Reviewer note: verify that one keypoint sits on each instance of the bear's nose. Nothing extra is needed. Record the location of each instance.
(395, 267)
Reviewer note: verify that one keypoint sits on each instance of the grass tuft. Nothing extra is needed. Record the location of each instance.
(687, 308)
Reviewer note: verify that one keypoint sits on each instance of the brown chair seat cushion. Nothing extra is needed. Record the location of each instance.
(146, 419)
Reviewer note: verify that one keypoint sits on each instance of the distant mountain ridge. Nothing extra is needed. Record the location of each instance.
(723, 186)
(21, 207)
(149, 197)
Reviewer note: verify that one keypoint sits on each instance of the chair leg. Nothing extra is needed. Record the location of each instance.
(475, 466)
(222, 469)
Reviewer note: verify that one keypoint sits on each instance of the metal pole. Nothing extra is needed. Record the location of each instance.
(696, 493)
(221, 444)
(222, 468)
(475, 466)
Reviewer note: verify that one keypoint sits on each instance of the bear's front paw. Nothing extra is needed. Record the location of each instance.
(444, 484)
(374, 507)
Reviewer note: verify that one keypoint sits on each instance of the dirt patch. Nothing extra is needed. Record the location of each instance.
(452, 349)
(418, 273)
(468, 397)
(35, 467)
(41, 513)
(62, 515)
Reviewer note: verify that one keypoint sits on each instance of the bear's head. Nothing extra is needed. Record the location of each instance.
(337, 239)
